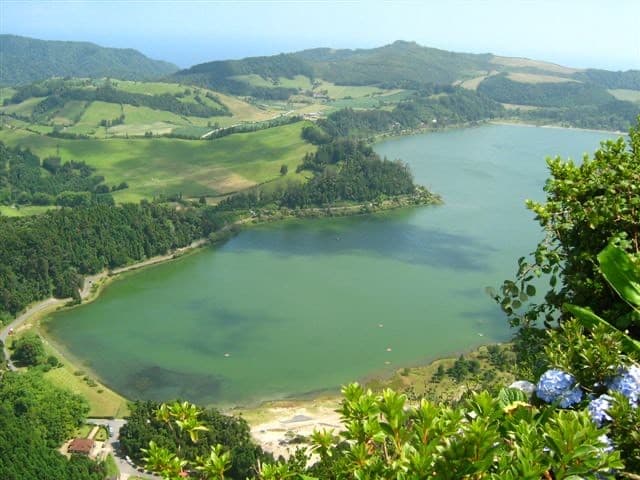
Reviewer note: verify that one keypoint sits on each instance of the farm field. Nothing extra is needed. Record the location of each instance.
(166, 166)
(628, 95)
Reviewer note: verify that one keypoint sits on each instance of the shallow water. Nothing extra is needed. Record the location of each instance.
(300, 306)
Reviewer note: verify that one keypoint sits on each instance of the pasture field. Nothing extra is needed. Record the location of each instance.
(24, 211)
(299, 81)
(536, 78)
(23, 108)
(98, 111)
(628, 95)
(342, 91)
(167, 166)
(370, 101)
(150, 88)
(516, 62)
(70, 113)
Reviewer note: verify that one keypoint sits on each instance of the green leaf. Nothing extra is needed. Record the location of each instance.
(622, 273)
(531, 290)
(589, 320)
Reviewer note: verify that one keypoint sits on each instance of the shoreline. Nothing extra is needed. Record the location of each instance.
(95, 284)
(517, 123)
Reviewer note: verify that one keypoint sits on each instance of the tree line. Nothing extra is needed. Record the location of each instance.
(57, 94)
(433, 107)
(343, 170)
(25, 180)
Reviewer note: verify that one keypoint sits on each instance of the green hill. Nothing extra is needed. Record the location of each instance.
(25, 60)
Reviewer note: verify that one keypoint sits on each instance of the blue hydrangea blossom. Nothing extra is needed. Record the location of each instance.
(628, 384)
(598, 409)
(556, 385)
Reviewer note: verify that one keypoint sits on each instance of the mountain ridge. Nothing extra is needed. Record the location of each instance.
(25, 60)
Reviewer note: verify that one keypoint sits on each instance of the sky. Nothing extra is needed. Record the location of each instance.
(576, 33)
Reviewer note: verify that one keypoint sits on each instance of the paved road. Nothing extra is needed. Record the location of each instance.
(126, 468)
(21, 319)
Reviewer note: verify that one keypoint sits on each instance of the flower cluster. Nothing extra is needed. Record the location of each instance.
(558, 386)
(628, 384)
(598, 409)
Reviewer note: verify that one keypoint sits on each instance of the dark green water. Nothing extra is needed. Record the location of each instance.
(298, 305)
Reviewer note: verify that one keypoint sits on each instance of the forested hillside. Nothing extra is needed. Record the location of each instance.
(25, 60)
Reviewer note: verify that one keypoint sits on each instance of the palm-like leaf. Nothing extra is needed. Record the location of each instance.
(215, 464)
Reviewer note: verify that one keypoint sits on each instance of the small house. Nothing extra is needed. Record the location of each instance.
(82, 446)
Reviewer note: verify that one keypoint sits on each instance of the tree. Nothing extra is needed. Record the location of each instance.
(284, 170)
(588, 206)
(29, 350)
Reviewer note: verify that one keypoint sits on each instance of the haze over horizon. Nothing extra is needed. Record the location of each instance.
(580, 34)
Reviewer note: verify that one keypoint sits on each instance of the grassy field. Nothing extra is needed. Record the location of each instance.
(149, 88)
(102, 401)
(299, 81)
(168, 166)
(370, 101)
(23, 108)
(70, 113)
(628, 95)
(535, 78)
(25, 211)
(527, 63)
(342, 91)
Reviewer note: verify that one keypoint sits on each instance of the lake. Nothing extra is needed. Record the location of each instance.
(297, 307)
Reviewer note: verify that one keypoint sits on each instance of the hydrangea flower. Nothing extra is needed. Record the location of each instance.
(598, 409)
(524, 386)
(557, 385)
(570, 397)
(628, 384)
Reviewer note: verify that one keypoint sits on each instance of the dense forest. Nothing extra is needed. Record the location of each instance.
(563, 94)
(398, 62)
(584, 105)
(24, 180)
(35, 419)
(48, 254)
(343, 170)
(434, 107)
(26, 60)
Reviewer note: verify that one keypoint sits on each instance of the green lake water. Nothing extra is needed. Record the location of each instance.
(304, 306)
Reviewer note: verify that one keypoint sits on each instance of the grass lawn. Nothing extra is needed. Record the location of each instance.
(102, 404)
(84, 430)
(154, 166)
(101, 435)
(112, 468)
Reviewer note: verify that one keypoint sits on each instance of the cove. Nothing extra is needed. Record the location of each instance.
(297, 307)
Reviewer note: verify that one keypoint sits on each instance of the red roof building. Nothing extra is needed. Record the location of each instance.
(81, 445)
